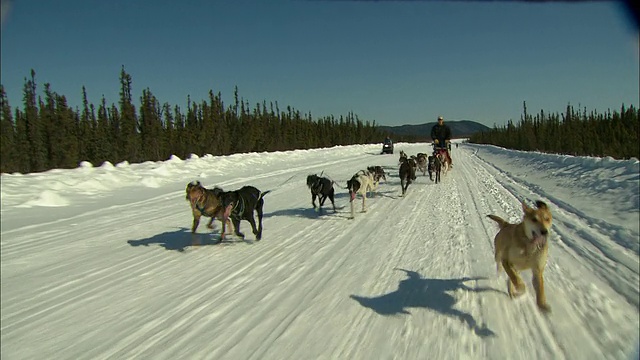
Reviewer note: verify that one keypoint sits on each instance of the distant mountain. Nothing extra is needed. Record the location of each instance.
(459, 129)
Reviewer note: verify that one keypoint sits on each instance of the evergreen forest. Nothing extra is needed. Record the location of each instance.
(46, 133)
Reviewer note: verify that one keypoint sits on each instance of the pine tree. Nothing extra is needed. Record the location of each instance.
(130, 137)
(115, 134)
(150, 127)
(67, 145)
(103, 145)
(7, 135)
(84, 131)
(170, 132)
(37, 152)
(22, 161)
(51, 131)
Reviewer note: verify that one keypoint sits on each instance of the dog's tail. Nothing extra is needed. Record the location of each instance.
(501, 222)
(263, 193)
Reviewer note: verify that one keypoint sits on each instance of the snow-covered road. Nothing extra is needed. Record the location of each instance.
(107, 269)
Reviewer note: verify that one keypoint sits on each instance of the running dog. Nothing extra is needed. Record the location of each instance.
(360, 183)
(378, 173)
(403, 155)
(431, 167)
(240, 205)
(407, 174)
(524, 246)
(204, 202)
(322, 188)
(444, 162)
(421, 161)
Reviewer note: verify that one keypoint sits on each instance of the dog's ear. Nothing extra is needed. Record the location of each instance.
(541, 205)
(189, 188)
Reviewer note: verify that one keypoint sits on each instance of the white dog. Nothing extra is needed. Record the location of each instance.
(361, 183)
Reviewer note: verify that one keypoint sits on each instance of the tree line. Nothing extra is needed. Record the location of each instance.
(574, 132)
(47, 133)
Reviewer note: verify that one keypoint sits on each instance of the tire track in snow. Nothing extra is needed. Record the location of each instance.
(182, 319)
(408, 230)
(338, 246)
(500, 303)
(556, 276)
(588, 243)
(196, 307)
(200, 311)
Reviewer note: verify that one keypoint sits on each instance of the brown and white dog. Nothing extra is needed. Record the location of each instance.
(525, 246)
(205, 202)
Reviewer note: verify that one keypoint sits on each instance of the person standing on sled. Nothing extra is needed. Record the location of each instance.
(441, 136)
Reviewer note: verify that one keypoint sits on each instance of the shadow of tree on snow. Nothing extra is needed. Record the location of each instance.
(418, 292)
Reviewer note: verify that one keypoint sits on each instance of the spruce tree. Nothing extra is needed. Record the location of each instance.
(103, 139)
(150, 126)
(67, 143)
(7, 135)
(37, 151)
(129, 135)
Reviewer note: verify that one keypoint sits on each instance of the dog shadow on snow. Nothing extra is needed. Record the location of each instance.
(418, 292)
(181, 239)
(309, 213)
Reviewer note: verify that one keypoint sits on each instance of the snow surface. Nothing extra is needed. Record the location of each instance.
(99, 263)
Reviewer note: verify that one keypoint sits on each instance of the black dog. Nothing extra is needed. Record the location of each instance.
(431, 167)
(240, 204)
(322, 188)
(407, 174)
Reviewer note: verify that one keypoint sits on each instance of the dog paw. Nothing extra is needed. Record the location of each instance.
(517, 291)
(545, 308)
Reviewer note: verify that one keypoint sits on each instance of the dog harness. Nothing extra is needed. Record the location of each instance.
(201, 209)
(235, 206)
(317, 187)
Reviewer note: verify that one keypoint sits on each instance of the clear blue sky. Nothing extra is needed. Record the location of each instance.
(395, 62)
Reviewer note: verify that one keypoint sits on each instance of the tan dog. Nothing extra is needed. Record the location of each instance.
(524, 246)
(205, 202)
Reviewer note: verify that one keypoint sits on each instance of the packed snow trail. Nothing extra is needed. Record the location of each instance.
(411, 278)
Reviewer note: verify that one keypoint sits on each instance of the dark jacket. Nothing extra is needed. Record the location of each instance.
(440, 132)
